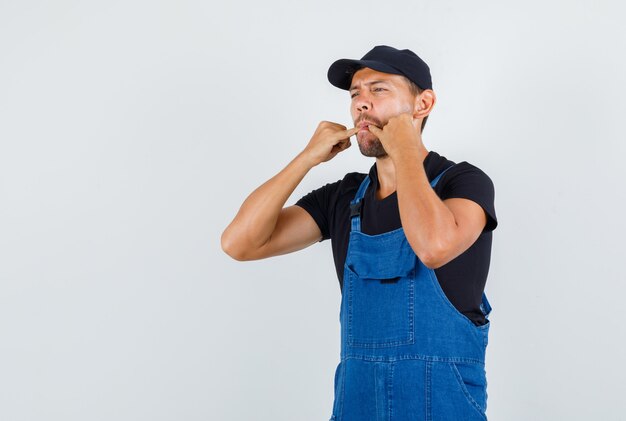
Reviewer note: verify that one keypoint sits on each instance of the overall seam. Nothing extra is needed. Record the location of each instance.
(390, 390)
(427, 388)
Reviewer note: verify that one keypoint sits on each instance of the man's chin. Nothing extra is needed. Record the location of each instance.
(371, 147)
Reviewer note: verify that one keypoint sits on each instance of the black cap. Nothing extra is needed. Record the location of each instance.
(383, 59)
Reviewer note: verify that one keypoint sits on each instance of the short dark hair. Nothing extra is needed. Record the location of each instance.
(415, 91)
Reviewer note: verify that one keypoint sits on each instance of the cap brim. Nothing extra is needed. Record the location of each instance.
(340, 72)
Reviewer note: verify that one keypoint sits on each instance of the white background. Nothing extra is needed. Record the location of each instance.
(131, 131)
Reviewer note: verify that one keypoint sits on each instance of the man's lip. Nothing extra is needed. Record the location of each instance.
(363, 125)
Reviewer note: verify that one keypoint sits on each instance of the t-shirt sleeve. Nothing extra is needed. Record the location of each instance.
(469, 182)
(318, 204)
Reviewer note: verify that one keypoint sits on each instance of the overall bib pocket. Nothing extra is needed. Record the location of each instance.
(380, 311)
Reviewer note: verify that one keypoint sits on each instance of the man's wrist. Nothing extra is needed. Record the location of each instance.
(408, 154)
(305, 161)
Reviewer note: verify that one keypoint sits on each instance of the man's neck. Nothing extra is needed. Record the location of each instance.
(386, 177)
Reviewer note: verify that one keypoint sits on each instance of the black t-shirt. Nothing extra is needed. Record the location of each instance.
(462, 279)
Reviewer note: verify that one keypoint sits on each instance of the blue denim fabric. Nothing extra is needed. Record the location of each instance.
(406, 352)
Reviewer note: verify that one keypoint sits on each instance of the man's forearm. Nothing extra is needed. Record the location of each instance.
(428, 223)
(255, 222)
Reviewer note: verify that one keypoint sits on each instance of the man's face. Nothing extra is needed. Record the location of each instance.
(377, 97)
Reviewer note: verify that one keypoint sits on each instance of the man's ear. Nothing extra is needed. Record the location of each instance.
(424, 103)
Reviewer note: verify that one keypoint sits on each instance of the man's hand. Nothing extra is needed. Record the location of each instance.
(328, 140)
(401, 136)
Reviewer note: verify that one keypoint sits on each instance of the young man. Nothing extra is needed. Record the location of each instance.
(411, 242)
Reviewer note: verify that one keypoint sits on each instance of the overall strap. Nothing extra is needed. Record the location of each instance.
(485, 307)
(357, 202)
(355, 205)
(436, 180)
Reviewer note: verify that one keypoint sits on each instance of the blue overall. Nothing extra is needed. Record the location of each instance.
(406, 352)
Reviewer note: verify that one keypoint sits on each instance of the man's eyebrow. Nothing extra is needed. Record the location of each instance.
(374, 82)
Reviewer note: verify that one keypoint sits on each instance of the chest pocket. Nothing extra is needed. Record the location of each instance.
(380, 289)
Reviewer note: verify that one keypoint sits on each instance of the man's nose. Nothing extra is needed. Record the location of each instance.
(363, 103)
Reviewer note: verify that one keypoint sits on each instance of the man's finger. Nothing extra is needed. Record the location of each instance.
(351, 131)
(345, 134)
(373, 129)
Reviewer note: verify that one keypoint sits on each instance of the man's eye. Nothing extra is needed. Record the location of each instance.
(353, 94)
(379, 89)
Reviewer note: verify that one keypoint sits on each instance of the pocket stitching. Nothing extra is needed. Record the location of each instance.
(408, 339)
(463, 387)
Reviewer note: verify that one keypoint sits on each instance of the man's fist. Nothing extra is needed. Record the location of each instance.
(328, 140)
(401, 134)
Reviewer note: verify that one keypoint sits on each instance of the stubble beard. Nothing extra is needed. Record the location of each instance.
(370, 145)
